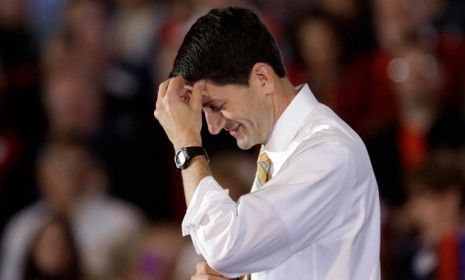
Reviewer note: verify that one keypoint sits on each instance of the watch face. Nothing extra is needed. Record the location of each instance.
(180, 158)
(184, 156)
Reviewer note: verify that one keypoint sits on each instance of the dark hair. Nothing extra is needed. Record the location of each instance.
(73, 271)
(223, 46)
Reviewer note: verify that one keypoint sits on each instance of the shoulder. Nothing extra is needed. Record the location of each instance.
(110, 211)
(22, 227)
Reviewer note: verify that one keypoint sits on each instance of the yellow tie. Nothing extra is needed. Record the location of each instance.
(263, 171)
(261, 177)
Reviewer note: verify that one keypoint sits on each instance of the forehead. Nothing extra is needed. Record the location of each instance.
(214, 91)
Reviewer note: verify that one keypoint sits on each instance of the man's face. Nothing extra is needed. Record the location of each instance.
(243, 111)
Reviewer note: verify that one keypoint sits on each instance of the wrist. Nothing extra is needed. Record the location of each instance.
(187, 143)
(184, 156)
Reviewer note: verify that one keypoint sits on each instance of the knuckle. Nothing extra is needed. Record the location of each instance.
(163, 84)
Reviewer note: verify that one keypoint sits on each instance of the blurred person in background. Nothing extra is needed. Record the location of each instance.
(77, 101)
(53, 253)
(44, 19)
(134, 27)
(355, 21)
(416, 75)
(319, 55)
(160, 252)
(74, 104)
(369, 102)
(371, 105)
(432, 220)
(85, 23)
(72, 183)
(150, 257)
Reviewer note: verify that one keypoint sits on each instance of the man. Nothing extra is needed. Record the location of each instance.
(313, 212)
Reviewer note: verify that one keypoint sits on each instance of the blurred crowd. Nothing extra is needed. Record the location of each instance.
(88, 188)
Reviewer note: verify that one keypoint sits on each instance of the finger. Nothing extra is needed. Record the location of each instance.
(162, 88)
(176, 85)
(197, 91)
(188, 87)
(161, 92)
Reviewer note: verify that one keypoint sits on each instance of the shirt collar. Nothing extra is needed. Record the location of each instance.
(291, 120)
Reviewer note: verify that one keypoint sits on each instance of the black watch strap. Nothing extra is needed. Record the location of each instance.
(188, 153)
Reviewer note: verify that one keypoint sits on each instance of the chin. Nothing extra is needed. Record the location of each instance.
(244, 145)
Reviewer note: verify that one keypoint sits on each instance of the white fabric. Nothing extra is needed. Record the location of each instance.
(317, 218)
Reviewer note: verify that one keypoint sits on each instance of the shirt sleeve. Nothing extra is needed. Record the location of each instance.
(303, 202)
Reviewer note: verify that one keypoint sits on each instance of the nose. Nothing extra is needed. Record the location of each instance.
(215, 121)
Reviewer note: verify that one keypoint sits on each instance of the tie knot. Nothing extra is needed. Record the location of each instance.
(263, 158)
(263, 171)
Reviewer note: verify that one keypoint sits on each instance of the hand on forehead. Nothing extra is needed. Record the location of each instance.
(200, 86)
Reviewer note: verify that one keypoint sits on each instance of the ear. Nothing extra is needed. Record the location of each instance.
(262, 78)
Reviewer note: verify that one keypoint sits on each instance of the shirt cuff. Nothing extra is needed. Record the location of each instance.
(207, 192)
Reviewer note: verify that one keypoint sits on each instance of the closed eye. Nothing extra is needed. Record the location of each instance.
(214, 108)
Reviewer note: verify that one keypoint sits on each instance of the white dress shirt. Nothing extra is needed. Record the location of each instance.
(318, 217)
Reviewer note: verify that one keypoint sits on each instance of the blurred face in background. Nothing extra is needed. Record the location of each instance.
(397, 19)
(342, 9)
(416, 76)
(73, 104)
(318, 45)
(12, 12)
(86, 20)
(62, 174)
(432, 212)
(423, 73)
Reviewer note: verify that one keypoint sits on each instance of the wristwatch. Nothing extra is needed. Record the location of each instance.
(184, 156)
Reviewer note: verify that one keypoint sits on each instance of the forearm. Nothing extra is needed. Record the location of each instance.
(191, 177)
(179, 111)
(235, 238)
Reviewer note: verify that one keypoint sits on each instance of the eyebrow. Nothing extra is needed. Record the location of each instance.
(208, 103)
